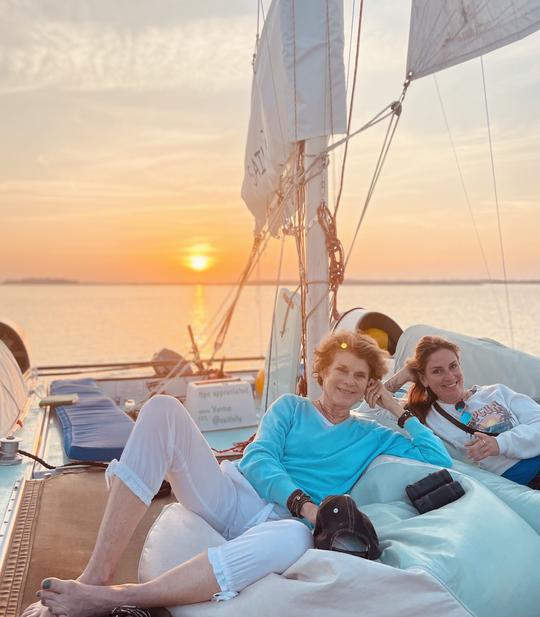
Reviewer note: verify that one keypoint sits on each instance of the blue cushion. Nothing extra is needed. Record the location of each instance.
(95, 428)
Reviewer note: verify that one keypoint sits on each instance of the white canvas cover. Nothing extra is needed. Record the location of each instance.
(447, 32)
(298, 92)
(13, 391)
(320, 583)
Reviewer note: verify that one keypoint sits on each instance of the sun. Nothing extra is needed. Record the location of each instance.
(198, 262)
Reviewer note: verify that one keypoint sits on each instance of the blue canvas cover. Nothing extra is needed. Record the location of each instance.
(484, 547)
(95, 428)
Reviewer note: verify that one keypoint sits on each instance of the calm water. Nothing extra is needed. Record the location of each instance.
(74, 324)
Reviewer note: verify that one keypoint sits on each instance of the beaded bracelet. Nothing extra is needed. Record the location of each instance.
(405, 416)
(296, 502)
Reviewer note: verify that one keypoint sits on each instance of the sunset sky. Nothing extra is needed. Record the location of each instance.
(123, 126)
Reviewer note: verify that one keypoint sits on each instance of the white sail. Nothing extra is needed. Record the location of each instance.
(447, 32)
(13, 391)
(298, 92)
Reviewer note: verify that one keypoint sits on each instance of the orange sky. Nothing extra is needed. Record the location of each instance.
(123, 136)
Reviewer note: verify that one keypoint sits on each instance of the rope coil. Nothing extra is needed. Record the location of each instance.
(336, 267)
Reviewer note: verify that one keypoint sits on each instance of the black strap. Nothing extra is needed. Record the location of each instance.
(459, 424)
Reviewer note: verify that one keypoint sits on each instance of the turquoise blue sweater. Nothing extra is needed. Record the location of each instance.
(295, 448)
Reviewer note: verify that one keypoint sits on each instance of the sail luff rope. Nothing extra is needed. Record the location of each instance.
(496, 195)
(467, 200)
(351, 103)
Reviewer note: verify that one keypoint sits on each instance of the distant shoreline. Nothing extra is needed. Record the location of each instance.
(51, 281)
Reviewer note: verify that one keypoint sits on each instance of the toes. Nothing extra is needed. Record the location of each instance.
(47, 596)
(55, 585)
(55, 608)
(34, 610)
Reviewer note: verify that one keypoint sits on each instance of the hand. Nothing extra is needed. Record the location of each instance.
(482, 446)
(309, 510)
(402, 377)
(377, 395)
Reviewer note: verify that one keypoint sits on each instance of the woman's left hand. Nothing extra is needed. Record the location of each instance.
(482, 446)
(377, 395)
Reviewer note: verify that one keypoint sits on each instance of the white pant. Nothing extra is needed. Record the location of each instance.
(166, 442)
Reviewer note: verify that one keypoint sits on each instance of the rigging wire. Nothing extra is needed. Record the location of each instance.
(497, 208)
(351, 103)
(334, 159)
(390, 132)
(301, 252)
(259, 307)
(467, 200)
(328, 74)
(350, 46)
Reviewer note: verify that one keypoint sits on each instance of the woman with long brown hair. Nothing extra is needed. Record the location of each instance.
(492, 426)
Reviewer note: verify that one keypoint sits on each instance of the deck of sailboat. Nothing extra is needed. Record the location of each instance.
(55, 531)
(49, 518)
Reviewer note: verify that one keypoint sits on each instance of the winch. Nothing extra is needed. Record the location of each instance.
(9, 448)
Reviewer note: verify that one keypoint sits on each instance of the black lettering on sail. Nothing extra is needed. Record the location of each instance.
(256, 167)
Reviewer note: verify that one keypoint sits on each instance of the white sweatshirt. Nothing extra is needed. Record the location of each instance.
(499, 409)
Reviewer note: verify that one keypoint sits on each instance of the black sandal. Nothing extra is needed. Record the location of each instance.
(164, 490)
(133, 611)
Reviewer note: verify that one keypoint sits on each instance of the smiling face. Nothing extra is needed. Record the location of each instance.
(344, 381)
(443, 375)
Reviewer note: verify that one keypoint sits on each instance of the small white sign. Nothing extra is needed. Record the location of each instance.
(219, 404)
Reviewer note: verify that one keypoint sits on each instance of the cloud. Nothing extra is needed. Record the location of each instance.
(211, 55)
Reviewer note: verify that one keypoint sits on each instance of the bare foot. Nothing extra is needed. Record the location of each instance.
(75, 599)
(38, 610)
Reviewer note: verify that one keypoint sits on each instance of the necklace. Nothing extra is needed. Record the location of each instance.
(333, 418)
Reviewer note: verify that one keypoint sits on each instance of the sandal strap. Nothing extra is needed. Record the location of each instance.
(130, 611)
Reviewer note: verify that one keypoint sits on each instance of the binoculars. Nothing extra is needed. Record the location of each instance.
(434, 491)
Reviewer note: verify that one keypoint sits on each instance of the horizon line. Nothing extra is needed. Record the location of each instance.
(452, 281)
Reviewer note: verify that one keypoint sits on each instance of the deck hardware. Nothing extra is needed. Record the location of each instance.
(9, 447)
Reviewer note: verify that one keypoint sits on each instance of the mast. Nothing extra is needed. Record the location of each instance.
(317, 300)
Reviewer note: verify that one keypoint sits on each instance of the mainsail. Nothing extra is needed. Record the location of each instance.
(447, 32)
(298, 92)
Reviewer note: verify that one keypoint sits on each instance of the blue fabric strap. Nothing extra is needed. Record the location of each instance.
(523, 471)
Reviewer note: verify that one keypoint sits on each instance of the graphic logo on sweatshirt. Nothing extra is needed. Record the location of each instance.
(493, 418)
